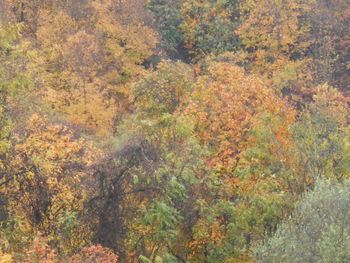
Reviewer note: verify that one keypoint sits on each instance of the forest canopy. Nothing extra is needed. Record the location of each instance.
(172, 131)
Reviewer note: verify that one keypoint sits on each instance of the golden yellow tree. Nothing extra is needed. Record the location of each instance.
(48, 183)
(86, 63)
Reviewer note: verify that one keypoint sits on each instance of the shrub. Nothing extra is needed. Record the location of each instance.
(95, 254)
(318, 231)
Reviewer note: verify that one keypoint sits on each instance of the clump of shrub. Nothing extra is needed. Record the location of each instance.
(318, 231)
(41, 252)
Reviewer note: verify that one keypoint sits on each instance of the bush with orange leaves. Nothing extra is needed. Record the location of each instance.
(41, 252)
(95, 254)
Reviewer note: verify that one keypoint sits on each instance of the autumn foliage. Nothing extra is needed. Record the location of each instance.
(171, 130)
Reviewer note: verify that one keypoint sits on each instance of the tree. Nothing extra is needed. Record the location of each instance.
(225, 103)
(198, 28)
(275, 41)
(316, 232)
(209, 26)
(47, 185)
(248, 146)
(329, 27)
(88, 62)
(295, 45)
(168, 17)
(321, 133)
(161, 92)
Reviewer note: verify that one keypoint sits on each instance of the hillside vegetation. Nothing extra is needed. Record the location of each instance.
(173, 131)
